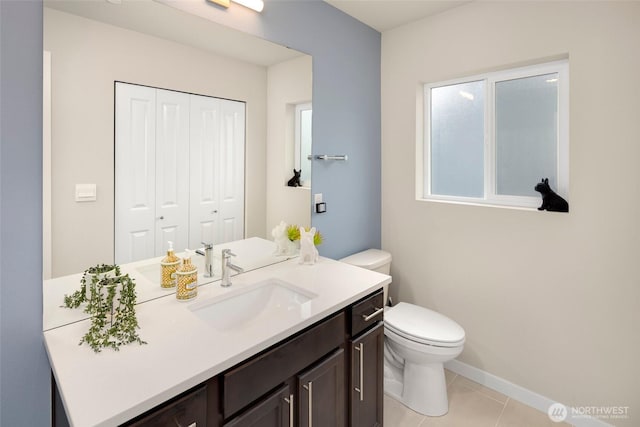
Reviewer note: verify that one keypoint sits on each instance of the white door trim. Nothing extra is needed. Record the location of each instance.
(47, 265)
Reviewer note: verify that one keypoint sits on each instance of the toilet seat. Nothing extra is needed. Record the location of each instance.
(424, 326)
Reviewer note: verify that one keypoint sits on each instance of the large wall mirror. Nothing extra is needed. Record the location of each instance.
(91, 44)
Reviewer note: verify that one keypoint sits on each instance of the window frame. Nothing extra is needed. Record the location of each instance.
(490, 79)
(297, 155)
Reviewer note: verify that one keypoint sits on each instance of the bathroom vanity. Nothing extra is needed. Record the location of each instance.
(287, 344)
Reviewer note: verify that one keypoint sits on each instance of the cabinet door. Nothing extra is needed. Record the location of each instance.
(321, 394)
(276, 410)
(367, 375)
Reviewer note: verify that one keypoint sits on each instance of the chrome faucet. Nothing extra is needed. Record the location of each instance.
(226, 265)
(208, 258)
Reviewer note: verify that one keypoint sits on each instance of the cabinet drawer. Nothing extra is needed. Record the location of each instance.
(189, 410)
(275, 410)
(367, 313)
(249, 381)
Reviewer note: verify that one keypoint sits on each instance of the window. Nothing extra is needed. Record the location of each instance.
(302, 150)
(490, 138)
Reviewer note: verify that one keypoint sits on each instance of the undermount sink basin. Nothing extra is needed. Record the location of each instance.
(267, 302)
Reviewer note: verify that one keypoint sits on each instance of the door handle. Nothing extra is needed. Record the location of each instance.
(290, 402)
(374, 314)
(309, 388)
(360, 389)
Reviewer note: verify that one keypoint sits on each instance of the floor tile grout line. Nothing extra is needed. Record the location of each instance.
(493, 398)
(479, 389)
(502, 412)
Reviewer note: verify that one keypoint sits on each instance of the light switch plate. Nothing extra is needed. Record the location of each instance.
(317, 198)
(86, 192)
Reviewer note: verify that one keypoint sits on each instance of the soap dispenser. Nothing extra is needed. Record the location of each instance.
(168, 267)
(187, 279)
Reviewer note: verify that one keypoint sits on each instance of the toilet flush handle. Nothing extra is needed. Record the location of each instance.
(378, 311)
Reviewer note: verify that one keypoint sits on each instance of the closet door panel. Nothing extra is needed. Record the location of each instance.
(172, 170)
(204, 169)
(179, 171)
(134, 173)
(232, 152)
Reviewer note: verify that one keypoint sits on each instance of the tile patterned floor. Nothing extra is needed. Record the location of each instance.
(470, 405)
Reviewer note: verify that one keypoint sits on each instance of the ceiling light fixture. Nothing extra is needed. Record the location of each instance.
(256, 5)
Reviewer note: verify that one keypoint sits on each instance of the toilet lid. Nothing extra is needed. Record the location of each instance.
(423, 325)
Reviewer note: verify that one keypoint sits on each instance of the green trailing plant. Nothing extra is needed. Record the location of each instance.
(78, 297)
(111, 305)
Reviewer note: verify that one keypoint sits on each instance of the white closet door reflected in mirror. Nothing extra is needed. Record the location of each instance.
(179, 171)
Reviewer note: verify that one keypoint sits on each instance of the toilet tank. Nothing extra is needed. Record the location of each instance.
(372, 259)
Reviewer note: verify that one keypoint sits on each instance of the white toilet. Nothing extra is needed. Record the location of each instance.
(418, 341)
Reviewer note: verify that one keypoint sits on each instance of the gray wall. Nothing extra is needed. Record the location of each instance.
(346, 118)
(346, 90)
(24, 374)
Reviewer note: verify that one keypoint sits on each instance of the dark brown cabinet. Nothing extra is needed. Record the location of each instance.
(276, 410)
(367, 376)
(321, 394)
(366, 354)
(188, 410)
(249, 381)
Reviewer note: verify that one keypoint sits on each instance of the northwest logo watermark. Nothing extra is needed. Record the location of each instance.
(559, 412)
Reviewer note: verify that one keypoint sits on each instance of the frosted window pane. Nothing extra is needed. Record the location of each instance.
(526, 134)
(305, 147)
(457, 140)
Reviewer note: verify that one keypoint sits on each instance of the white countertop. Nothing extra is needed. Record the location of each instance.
(111, 387)
(250, 253)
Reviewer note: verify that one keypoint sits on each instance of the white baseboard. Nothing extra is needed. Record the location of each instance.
(518, 393)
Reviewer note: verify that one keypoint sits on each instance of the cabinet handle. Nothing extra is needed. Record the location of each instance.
(374, 314)
(309, 387)
(193, 424)
(160, 217)
(290, 402)
(360, 350)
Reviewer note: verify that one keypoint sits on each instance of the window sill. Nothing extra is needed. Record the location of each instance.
(480, 204)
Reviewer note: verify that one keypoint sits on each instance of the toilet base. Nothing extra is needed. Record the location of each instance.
(423, 389)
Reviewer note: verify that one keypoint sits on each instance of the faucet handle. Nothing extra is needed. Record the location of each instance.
(207, 245)
(226, 253)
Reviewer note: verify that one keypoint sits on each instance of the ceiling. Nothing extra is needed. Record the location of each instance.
(160, 20)
(156, 19)
(384, 15)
